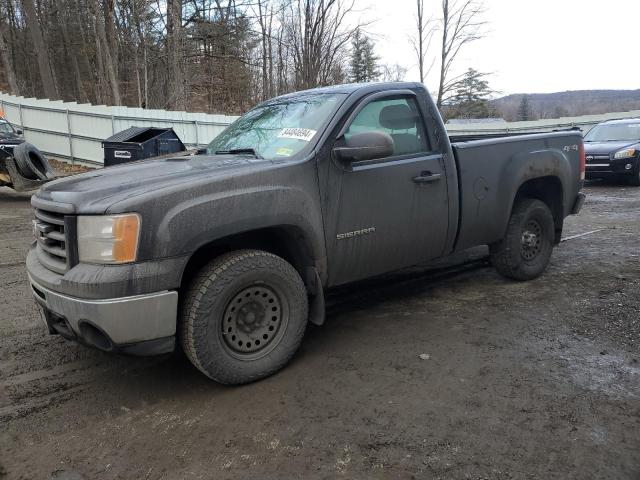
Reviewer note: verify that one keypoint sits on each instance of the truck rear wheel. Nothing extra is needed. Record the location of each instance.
(525, 250)
(243, 316)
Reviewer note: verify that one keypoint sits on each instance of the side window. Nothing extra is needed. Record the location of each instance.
(400, 118)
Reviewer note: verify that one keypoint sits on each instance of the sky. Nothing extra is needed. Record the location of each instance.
(531, 46)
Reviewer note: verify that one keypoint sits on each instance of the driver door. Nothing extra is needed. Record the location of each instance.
(387, 213)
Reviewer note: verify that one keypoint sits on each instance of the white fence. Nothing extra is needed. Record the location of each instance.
(74, 131)
(585, 123)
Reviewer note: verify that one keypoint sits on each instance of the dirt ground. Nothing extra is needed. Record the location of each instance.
(65, 168)
(454, 373)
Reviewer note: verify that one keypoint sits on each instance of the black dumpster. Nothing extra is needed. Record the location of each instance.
(136, 143)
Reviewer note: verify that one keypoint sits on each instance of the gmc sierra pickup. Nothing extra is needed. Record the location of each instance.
(230, 251)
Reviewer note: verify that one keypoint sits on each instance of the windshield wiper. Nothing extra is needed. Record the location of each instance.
(235, 151)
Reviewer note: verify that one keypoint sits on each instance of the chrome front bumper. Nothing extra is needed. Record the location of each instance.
(112, 324)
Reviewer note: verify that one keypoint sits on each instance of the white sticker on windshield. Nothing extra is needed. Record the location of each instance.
(305, 134)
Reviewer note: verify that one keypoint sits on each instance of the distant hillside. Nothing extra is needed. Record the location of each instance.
(571, 103)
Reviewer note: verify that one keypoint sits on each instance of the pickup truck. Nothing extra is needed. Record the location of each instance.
(229, 252)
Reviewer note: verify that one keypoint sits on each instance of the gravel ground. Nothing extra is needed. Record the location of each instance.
(447, 373)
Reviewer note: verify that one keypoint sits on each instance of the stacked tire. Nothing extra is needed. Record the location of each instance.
(31, 163)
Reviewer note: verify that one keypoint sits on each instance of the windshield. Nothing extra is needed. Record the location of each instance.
(5, 127)
(620, 132)
(278, 130)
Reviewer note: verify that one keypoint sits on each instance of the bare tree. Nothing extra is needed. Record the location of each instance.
(318, 35)
(110, 30)
(220, 56)
(66, 24)
(83, 49)
(393, 73)
(7, 64)
(426, 28)
(461, 24)
(104, 45)
(44, 67)
(174, 55)
(265, 22)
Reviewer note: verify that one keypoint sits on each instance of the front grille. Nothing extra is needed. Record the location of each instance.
(597, 158)
(51, 235)
(598, 163)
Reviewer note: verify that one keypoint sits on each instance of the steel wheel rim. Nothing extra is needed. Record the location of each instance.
(531, 240)
(254, 321)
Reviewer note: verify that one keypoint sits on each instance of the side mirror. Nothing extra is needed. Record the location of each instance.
(19, 131)
(365, 146)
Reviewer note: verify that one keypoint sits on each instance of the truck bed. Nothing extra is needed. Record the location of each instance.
(491, 169)
(486, 136)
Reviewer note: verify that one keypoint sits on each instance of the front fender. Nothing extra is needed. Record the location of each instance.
(198, 221)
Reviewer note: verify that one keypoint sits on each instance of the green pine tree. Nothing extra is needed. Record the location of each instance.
(470, 97)
(363, 64)
(524, 110)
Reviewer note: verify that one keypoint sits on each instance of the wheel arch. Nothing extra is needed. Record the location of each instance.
(549, 190)
(286, 241)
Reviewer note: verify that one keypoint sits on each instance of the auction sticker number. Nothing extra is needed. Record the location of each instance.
(305, 134)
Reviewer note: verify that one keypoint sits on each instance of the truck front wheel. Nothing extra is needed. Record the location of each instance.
(525, 250)
(243, 316)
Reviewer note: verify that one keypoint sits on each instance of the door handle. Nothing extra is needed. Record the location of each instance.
(427, 177)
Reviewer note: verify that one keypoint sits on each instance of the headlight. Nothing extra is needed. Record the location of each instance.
(626, 153)
(108, 238)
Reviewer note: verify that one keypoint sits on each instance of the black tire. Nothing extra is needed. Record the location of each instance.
(243, 316)
(525, 250)
(31, 163)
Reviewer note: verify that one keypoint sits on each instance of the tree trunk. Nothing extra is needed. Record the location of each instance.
(270, 47)
(420, 39)
(443, 55)
(109, 64)
(146, 78)
(88, 71)
(100, 90)
(110, 29)
(80, 92)
(176, 92)
(46, 74)
(7, 64)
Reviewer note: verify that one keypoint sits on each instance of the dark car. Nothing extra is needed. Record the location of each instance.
(230, 251)
(613, 150)
(9, 138)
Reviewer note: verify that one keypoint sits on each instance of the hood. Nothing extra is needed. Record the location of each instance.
(606, 148)
(93, 192)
